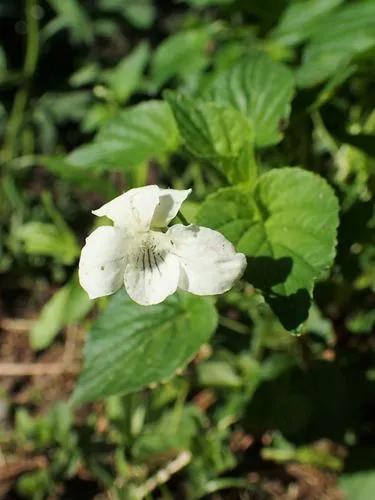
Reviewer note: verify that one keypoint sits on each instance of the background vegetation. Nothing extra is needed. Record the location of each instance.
(259, 412)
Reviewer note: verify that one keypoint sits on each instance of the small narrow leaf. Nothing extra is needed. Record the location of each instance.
(124, 78)
(66, 307)
(131, 346)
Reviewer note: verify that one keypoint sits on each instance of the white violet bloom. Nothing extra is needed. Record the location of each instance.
(149, 258)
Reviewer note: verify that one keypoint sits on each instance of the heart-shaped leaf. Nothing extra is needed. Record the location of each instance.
(287, 228)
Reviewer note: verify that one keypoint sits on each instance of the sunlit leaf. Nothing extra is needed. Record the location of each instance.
(300, 18)
(125, 77)
(131, 346)
(182, 54)
(262, 90)
(67, 306)
(130, 138)
(215, 133)
(336, 41)
(287, 228)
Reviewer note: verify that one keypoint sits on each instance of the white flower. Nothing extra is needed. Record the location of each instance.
(151, 260)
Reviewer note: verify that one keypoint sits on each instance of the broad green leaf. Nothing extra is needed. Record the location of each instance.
(287, 228)
(215, 133)
(67, 306)
(262, 90)
(124, 78)
(179, 55)
(300, 18)
(336, 41)
(130, 138)
(132, 346)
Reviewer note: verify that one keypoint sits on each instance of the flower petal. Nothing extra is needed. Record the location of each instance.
(170, 201)
(102, 262)
(151, 276)
(209, 262)
(133, 209)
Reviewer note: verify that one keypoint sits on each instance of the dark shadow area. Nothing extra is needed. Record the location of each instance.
(292, 310)
(324, 401)
(265, 273)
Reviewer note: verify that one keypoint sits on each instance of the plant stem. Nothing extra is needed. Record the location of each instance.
(22, 95)
(182, 219)
(235, 326)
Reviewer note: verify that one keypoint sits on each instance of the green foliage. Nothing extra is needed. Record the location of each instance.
(287, 228)
(132, 346)
(262, 90)
(73, 17)
(180, 55)
(143, 132)
(140, 13)
(67, 306)
(299, 20)
(213, 133)
(125, 77)
(336, 40)
(358, 485)
(184, 398)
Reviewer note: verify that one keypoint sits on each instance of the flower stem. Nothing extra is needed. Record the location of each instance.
(182, 219)
(21, 98)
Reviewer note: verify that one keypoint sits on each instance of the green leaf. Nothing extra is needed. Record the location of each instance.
(215, 133)
(130, 138)
(218, 374)
(287, 228)
(66, 307)
(174, 431)
(3, 62)
(262, 90)
(358, 485)
(43, 238)
(300, 19)
(336, 41)
(179, 55)
(132, 346)
(65, 106)
(140, 13)
(73, 17)
(124, 78)
(207, 3)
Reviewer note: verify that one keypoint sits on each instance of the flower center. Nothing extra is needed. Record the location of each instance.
(151, 252)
